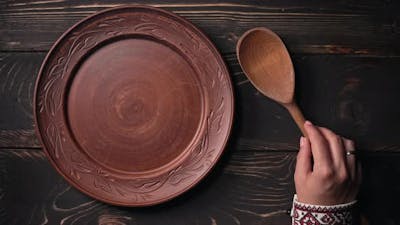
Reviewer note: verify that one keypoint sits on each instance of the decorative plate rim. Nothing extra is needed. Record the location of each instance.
(201, 36)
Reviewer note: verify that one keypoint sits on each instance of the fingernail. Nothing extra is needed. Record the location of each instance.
(302, 140)
(308, 123)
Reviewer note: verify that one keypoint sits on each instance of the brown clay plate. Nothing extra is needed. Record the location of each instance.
(133, 105)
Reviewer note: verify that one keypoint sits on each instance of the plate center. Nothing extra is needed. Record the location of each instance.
(134, 105)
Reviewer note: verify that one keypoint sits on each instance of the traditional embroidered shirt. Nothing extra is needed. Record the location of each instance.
(306, 214)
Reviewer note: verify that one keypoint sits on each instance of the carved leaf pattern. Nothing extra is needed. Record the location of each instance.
(55, 139)
(147, 27)
(217, 115)
(50, 101)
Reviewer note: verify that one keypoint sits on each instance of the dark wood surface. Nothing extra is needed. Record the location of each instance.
(347, 60)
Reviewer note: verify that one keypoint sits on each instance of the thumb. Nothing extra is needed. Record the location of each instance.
(304, 158)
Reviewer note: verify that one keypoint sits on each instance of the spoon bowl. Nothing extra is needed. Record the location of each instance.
(266, 63)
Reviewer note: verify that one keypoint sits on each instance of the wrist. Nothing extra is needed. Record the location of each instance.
(323, 199)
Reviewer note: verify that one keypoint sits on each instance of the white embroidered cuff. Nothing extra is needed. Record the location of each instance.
(306, 214)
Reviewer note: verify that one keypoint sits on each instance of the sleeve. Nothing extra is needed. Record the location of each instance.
(306, 214)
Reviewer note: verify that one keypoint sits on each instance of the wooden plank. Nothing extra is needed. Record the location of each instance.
(17, 80)
(355, 96)
(379, 195)
(330, 27)
(247, 187)
(250, 188)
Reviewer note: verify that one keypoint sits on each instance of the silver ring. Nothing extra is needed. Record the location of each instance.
(349, 153)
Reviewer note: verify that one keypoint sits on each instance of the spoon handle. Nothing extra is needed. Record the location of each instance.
(297, 116)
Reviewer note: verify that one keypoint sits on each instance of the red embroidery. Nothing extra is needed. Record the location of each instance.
(304, 214)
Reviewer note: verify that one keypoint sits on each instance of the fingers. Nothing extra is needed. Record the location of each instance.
(336, 147)
(325, 174)
(350, 159)
(304, 158)
(319, 146)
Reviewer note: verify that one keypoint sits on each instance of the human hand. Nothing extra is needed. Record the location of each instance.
(325, 174)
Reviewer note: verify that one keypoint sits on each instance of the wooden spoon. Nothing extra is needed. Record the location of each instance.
(266, 62)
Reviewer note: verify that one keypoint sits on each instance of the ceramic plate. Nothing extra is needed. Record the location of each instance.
(133, 105)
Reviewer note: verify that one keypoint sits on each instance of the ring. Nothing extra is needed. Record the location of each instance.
(349, 153)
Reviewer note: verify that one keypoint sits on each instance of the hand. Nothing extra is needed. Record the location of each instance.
(324, 174)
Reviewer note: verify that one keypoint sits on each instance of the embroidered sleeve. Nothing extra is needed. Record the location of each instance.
(306, 214)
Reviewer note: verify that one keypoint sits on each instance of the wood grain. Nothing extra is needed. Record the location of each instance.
(266, 62)
(380, 187)
(328, 27)
(253, 188)
(355, 96)
(246, 187)
(17, 82)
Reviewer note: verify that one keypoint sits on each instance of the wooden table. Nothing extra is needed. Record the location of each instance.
(346, 56)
